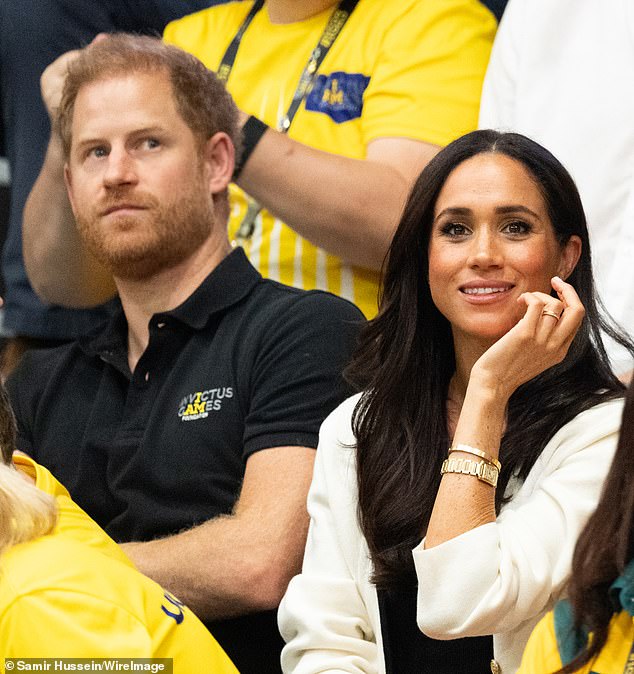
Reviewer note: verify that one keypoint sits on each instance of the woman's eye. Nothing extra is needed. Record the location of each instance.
(516, 227)
(454, 229)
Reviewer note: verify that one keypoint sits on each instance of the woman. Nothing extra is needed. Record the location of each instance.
(602, 583)
(66, 588)
(480, 346)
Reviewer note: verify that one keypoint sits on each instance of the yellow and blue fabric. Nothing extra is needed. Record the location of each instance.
(554, 642)
(74, 594)
(399, 69)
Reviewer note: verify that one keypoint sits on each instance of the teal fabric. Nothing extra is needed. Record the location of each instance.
(622, 591)
(571, 641)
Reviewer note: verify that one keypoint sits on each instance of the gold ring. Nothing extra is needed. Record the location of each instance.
(548, 312)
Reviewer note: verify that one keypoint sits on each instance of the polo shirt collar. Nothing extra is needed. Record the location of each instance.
(230, 282)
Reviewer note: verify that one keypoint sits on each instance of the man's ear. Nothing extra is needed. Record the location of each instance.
(219, 158)
(69, 185)
(570, 254)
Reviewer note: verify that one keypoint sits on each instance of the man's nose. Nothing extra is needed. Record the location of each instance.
(120, 168)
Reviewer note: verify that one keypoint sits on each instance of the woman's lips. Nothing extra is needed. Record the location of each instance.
(484, 293)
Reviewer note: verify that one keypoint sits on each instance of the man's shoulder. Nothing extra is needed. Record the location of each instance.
(274, 299)
(45, 358)
(37, 365)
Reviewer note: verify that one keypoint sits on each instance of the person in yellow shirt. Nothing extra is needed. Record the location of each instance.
(67, 590)
(593, 631)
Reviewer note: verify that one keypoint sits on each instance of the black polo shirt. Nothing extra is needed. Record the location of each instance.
(244, 364)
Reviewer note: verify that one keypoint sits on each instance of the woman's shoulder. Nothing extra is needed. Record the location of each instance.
(336, 453)
(338, 424)
(596, 429)
(594, 423)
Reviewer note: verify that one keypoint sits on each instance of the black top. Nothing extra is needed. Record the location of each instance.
(408, 651)
(244, 364)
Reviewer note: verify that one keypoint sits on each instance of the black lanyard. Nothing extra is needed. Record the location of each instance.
(332, 30)
(226, 65)
(335, 23)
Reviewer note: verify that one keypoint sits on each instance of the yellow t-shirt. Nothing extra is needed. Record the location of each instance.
(399, 68)
(542, 655)
(75, 594)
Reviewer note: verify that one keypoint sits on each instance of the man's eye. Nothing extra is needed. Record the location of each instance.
(98, 152)
(151, 143)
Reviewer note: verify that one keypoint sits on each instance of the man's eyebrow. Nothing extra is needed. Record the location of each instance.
(147, 129)
(89, 140)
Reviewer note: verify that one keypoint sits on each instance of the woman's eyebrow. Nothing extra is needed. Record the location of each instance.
(516, 208)
(453, 210)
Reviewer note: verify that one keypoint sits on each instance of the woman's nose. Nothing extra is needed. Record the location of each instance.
(486, 251)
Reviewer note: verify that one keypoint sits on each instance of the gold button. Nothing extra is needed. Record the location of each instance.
(495, 668)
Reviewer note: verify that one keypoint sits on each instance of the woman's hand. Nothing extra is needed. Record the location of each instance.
(540, 340)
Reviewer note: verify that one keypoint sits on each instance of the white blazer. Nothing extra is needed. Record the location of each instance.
(499, 578)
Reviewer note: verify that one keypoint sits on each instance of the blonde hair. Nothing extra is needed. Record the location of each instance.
(26, 512)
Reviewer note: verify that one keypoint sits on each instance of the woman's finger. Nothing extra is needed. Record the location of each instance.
(572, 315)
(531, 319)
(573, 308)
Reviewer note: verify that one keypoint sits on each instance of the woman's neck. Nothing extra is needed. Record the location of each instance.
(467, 351)
(290, 11)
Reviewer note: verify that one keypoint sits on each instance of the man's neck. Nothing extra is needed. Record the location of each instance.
(290, 11)
(165, 291)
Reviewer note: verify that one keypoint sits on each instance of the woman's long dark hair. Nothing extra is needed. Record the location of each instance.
(405, 361)
(605, 546)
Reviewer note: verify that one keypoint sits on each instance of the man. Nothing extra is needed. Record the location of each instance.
(32, 34)
(557, 74)
(399, 79)
(189, 421)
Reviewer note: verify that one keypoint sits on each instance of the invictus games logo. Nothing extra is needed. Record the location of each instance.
(198, 405)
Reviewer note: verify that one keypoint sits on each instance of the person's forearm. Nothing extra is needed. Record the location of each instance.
(221, 568)
(349, 207)
(465, 502)
(61, 271)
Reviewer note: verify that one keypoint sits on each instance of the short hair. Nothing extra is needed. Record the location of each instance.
(201, 98)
